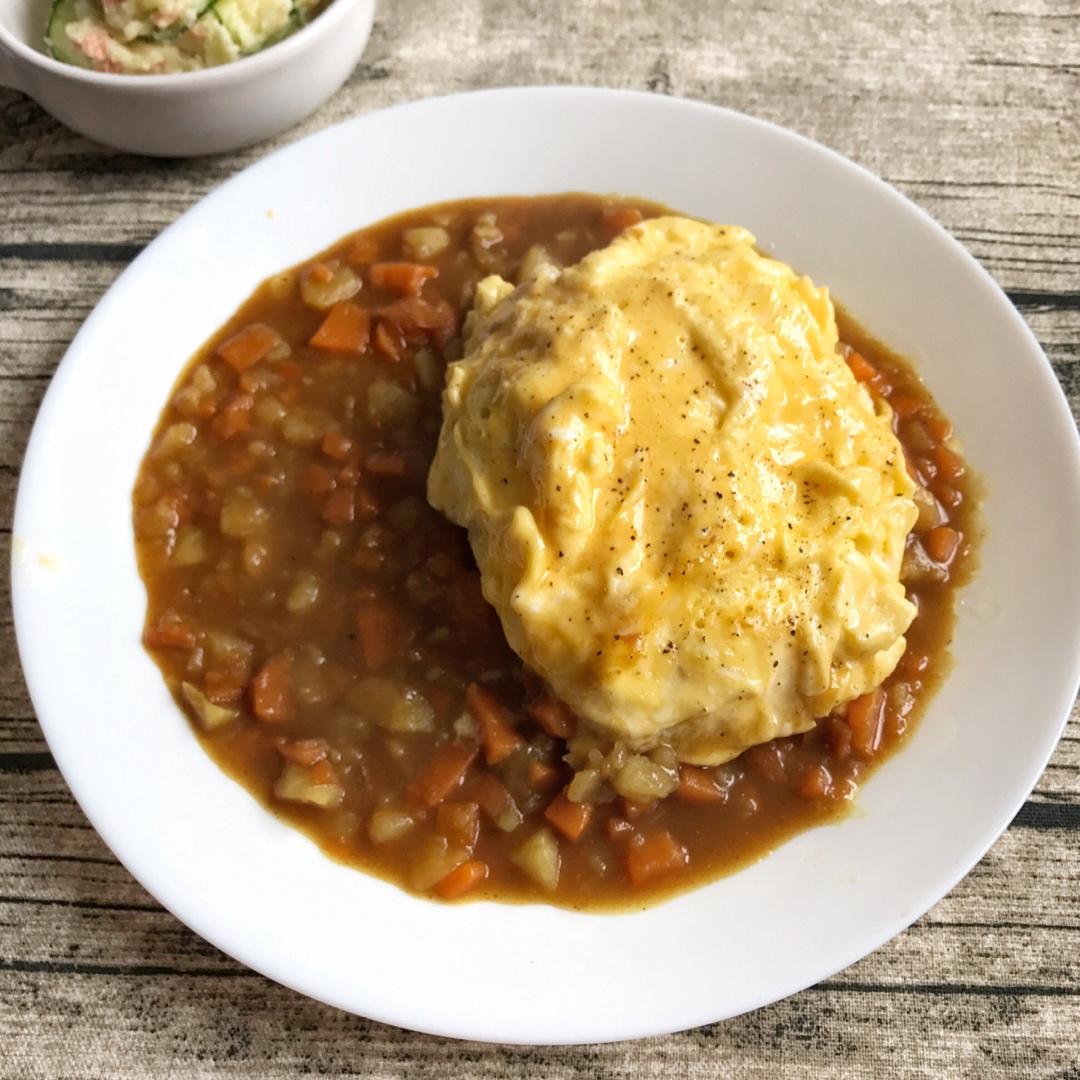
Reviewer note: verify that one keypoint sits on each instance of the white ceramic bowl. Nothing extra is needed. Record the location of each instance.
(190, 113)
(240, 878)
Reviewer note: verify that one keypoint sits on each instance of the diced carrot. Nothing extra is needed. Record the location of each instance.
(636, 809)
(540, 776)
(660, 854)
(459, 822)
(949, 497)
(388, 340)
(302, 751)
(222, 688)
(348, 475)
(950, 466)
(618, 218)
(170, 632)
(913, 663)
(837, 737)
(252, 344)
(271, 689)
(362, 250)
(337, 445)
(339, 508)
(289, 370)
(383, 634)
(942, 544)
(492, 795)
(387, 464)
(938, 427)
(404, 278)
(346, 328)
(462, 879)
(861, 368)
(441, 775)
(497, 732)
(814, 782)
(468, 608)
(317, 479)
(553, 717)
(767, 762)
(418, 319)
(570, 818)
(698, 787)
(235, 418)
(442, 700)
(288, 394)
(366, 503)
(865, 717)
(907, 405)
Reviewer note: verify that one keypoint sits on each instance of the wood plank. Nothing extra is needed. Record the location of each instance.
(970, 110)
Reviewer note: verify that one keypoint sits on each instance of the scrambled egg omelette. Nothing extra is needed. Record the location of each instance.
(688, 514)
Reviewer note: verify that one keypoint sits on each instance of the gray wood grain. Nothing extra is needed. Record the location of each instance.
(969, 108)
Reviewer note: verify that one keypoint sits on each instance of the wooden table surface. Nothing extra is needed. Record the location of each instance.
(972, 110)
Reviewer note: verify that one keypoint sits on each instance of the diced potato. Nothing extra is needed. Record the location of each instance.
(254, 556)
(176, 437)
(406, 515)
(330, 543)
(304, 427)
(422, 587)
(425, 241)
(190, 547)
(644, 780)
(388, 824)
(536, 258)
(326, 284)
(435, 859)
(227, 652)
(391, 705)
(917, 567)
(211, 716)
(241, 516)
(269, 410)
(931, 512)
(465, 727)
(539, 857)
(157, 520)
(303, 595)
(190, 398)
(585, 786)
(295, 785)
(390, 404)
(428, 369)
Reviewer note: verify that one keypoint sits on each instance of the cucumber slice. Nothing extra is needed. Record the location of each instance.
(60, 45)
(254, 24)
(171, 33)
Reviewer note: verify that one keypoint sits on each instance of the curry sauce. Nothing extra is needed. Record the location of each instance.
(324, 627)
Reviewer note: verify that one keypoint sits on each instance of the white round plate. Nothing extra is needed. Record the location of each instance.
(535, 974)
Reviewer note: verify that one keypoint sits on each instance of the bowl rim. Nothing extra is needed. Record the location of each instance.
(279, 52)
(929, 893)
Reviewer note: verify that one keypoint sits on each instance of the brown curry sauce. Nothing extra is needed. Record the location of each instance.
(298, 579)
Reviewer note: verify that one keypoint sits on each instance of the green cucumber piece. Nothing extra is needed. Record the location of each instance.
(60, 45)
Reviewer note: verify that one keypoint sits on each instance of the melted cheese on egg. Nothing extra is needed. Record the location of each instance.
(688, 514)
